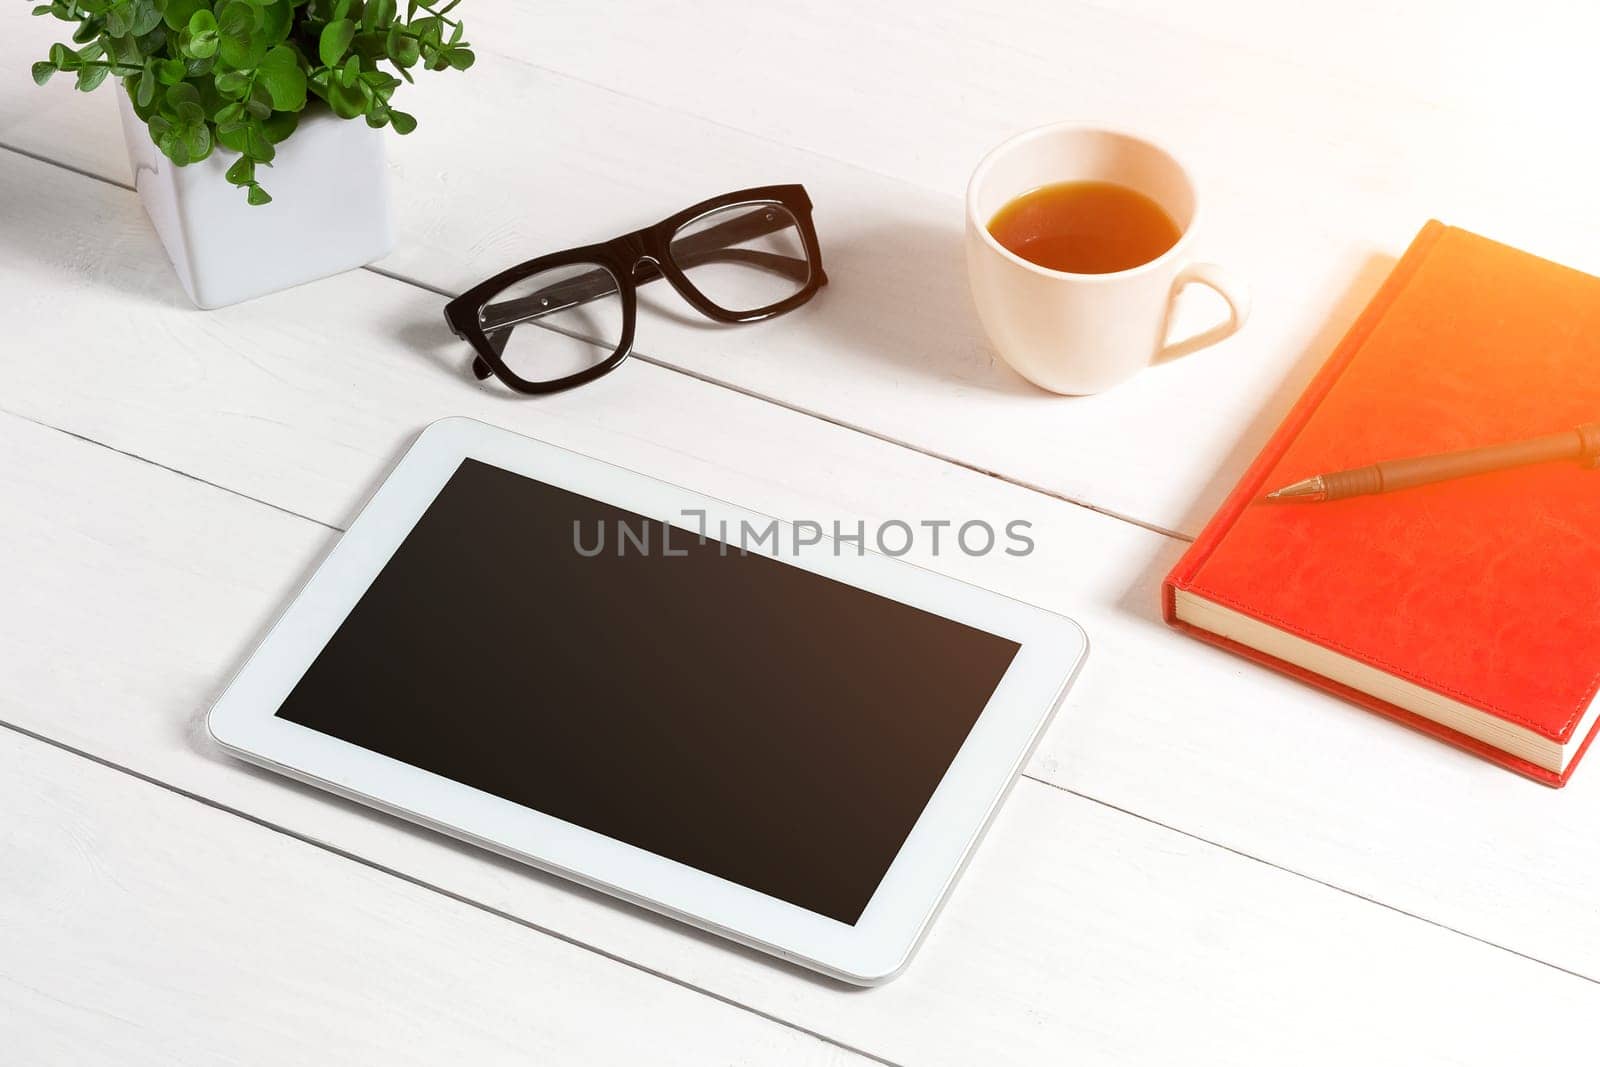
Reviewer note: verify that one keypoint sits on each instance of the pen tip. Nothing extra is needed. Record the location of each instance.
(1313, 488)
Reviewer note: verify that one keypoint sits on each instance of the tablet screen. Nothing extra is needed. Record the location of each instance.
(745, 717)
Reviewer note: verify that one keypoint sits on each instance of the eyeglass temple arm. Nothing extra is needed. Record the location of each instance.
(716, 243)
(598, 283)
(707, 246)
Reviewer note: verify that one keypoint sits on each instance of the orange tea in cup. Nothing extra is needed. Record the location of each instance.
(1084, 227)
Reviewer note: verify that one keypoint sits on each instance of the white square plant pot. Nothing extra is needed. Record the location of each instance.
(330, 209)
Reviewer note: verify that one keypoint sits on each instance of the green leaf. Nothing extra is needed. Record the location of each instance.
(280, 56)
(256, 144)
(199, 39)
(126, 50)
(153, 43)
(232, 136)
(64, 58)
(182, 93)
(257, 196)
(284, 80)
(209, 74)
(378, 14)
(197, 139)
(163, 135)
(277, 18)
(401, 48)
(176, 146)
(210, 100)
(232, 83)
(382, 81)
(259, 103)
(335, 40)
(280, 126)
(238, 19)
(119, 20)
(146, 17)
(243, 52)
(89, 78)
(179, 12)
(346, 102)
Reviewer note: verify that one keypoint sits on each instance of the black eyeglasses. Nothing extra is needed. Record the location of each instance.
(740, 257)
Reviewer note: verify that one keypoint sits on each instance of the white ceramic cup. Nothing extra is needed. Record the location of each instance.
(1082, 333)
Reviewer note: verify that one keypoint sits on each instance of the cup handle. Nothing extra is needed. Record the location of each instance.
(1231, 289)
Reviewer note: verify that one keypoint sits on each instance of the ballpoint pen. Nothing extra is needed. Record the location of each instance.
(1582, 443)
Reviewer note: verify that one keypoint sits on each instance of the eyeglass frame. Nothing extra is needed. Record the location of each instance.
(632, 260)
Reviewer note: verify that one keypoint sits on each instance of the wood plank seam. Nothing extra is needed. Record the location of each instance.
(487, 909)
(720, 384)
(446, 892)
(1311, 784)
(169, 469)
(1319, 881)
(1081, 795)
(655, 972)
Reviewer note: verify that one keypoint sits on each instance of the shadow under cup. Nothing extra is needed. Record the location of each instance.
(1076, 333)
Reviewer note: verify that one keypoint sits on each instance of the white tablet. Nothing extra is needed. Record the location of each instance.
(788, 740)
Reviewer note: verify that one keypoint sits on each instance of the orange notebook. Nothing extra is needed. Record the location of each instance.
(1468, 609)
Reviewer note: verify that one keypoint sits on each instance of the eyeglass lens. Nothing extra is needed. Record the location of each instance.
(555, 323)
(743, 258)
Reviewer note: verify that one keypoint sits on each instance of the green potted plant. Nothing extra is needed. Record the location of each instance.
(239, 117)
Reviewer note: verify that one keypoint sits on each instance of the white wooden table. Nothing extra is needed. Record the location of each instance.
(1206, 863)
